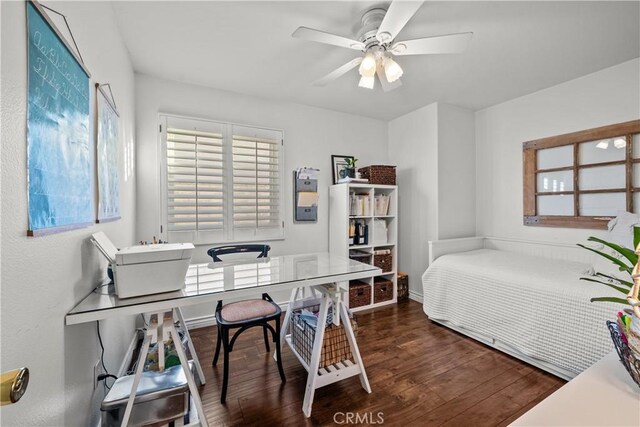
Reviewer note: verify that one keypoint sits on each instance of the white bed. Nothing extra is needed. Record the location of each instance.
(524, 298)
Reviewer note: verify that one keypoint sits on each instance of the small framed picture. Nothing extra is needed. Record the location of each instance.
(340, 167)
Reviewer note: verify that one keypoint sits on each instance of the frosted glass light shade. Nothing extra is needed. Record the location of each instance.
(367, 82)
(368, 65)
(392, 70)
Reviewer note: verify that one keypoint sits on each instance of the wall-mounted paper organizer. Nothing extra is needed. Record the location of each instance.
(305, 189)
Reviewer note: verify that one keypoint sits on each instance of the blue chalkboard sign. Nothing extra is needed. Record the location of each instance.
(60, 150)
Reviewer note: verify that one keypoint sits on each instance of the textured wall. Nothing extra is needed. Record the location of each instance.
(44, 277)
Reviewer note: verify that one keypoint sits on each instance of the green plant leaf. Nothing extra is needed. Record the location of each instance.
(617, 288)
(622, 282)
(625, 252)
(636, 237)
(623, 266)
(609, 299)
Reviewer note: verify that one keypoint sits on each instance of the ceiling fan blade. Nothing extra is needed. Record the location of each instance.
(396, 18)
(326, 38)
(386, 86)
(452, 43)
(338, 72)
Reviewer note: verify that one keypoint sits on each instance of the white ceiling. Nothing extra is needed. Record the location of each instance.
(246, 47)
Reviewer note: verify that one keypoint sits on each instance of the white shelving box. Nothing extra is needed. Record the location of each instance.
(340, 216)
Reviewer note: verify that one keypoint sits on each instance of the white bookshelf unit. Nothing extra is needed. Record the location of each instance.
(340, 218)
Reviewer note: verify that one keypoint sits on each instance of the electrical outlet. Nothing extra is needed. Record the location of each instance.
(97, 370)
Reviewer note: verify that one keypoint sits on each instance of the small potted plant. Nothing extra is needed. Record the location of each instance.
(350, 168)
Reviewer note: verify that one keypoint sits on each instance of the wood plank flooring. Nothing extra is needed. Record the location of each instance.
(421, 374)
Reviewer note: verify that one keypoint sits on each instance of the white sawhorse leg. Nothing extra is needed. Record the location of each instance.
(160, 326)
(314, 364)
(320, 377)
(192, 349)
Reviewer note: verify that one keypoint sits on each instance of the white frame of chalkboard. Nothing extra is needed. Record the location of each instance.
(111, 103)
(38, 7)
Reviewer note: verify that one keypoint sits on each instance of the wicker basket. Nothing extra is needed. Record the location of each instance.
(382, 290)
(630, 360)
(359, 294)
(335, 345)
(383, 262)
(403, 286)
(379, 174)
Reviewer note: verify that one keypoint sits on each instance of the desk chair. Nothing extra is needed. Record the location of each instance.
(243, 315)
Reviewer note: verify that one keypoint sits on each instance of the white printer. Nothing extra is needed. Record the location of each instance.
(146, 269)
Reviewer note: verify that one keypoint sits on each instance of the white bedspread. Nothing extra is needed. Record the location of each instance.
(536, 305)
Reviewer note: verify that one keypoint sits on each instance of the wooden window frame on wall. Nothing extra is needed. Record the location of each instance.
(530, 171)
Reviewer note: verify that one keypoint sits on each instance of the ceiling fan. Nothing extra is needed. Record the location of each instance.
(376, 40)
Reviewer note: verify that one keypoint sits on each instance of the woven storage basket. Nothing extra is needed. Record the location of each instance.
(359, 294)
(382, 290)
(629, 359)
(383, 262)
(379, 174)
(335, 345)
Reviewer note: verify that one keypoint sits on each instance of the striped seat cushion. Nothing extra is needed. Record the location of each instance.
(248, 309)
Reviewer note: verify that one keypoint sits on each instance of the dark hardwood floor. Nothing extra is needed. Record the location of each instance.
(420, 373)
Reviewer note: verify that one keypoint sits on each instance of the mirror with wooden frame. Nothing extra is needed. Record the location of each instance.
(582, 179)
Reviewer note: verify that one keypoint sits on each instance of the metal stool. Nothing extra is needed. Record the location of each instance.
(243, 315)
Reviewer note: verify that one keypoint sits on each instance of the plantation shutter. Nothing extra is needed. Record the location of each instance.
(195, 180)
(256, 183)
(221, 182)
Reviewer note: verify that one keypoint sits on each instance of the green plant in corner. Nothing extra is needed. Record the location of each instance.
(626, 254)
(350, 163)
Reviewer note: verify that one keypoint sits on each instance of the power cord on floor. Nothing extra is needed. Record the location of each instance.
(103, 377)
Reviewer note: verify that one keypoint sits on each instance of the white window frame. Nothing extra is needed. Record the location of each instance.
(229, 233)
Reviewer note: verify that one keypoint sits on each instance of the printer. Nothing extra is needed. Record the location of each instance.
(146, 269)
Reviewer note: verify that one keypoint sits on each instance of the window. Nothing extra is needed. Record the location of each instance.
(582, 179)
(220, 181)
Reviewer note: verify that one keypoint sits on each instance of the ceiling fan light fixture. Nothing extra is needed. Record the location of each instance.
(366, 82)
(392, 70)
(368, 65)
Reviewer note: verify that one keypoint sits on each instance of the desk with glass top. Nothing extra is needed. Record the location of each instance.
(321, 273)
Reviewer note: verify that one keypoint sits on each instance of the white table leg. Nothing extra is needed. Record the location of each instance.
(136, 380)
(287, 318)
(187, 372)
(190, 345)
(314, 363)
(354, 347)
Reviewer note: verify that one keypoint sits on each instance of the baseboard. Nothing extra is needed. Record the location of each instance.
(210, 319)
(415, 296)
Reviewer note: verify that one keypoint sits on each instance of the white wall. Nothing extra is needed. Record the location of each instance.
(433, 148)
(44, 277)
(311, 136)
(456, 172)
(413, 148)
(602, 98)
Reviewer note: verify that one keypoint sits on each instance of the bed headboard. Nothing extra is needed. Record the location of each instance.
(563, 251)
